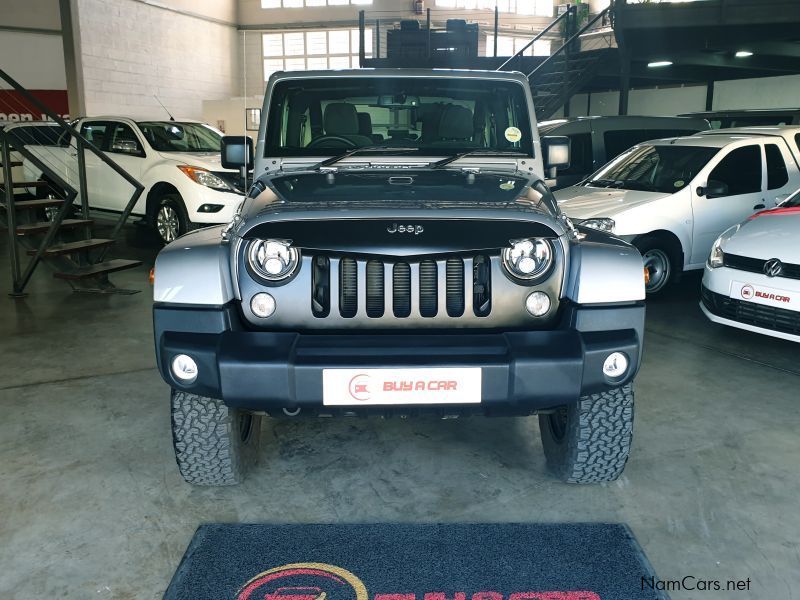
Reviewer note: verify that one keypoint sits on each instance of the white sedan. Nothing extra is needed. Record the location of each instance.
(752, 278)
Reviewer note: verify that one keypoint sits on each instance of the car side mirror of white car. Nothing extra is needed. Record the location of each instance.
(714, 189)
(237, 152)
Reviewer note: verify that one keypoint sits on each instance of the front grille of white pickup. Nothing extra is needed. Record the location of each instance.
(400, 288)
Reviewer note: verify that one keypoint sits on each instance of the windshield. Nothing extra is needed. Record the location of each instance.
(434, 115)
(663, 168)
(170, 136)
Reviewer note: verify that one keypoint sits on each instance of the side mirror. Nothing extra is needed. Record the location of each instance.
(714, 189)
(237, 152)
(556, 152)
(125, 146)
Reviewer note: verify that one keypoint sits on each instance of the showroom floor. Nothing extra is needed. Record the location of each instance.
(92, 505)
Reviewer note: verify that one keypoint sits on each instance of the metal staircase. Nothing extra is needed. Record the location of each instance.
(572, 66)
(45, 223)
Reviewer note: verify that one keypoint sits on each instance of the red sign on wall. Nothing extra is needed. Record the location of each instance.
(15, 108)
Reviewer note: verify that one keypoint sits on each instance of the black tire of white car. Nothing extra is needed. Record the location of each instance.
(214, 445)
(589, 441)
(660, 261)
(171, 220)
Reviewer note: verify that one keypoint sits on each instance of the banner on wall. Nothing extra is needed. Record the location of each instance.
(14, 108)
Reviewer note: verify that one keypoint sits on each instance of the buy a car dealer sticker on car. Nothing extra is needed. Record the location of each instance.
(765, 295)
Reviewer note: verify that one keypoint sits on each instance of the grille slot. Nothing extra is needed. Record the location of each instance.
(375, 289)
(321, 286)
(348, 287)
(401, 289)
(481, 286)
(428, 288)
(454, 280)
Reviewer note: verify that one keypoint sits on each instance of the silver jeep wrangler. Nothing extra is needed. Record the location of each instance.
(399, 253)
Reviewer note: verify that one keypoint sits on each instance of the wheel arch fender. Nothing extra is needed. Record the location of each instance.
(674, 244)
(155, 193)
(604, 270)
(195, 269)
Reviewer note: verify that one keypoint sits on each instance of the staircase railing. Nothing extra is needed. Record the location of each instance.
(20, 278)
(571, 12)
(601, 16)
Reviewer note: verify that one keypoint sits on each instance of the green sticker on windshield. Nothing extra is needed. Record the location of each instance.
(513, 134)
(680, 183)
(507, 185)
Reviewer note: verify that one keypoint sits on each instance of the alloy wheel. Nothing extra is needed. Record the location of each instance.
(167, 223)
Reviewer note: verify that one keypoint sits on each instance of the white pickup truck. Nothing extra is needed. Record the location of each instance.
(177, 162)
(672, 198)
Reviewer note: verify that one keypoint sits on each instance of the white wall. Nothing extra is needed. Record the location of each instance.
(768, 92)
(231, 112)
(36, 60)
(131, 49)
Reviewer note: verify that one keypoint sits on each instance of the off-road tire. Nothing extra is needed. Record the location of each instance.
(214, 444)
(589, 441)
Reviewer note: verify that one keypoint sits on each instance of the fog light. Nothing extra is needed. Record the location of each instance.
(262, 305)
(537, 303)
(184, 368)
(616, 365)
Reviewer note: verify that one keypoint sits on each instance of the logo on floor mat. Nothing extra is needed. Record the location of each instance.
(318, 581)
(304, 581)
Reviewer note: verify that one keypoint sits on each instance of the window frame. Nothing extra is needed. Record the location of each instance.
(720, 159)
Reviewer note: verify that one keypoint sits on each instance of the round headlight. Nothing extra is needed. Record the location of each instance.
(273, 259)
(528, 259)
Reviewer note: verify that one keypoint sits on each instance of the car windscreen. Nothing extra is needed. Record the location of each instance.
(442, 186)
(40, 135)
(654, 168)
(170, 136)
(436, 115)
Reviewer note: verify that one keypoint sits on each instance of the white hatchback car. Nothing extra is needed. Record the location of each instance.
(752, 277)
(672, 198)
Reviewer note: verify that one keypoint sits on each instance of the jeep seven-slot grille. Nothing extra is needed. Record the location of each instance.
(402, 280)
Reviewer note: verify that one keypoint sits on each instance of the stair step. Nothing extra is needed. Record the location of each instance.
(26, 184)
(69, 248)
(32, 204)
(13, 163)
(110, 266)
(43, 226)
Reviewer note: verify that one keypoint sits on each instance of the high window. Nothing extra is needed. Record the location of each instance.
(539, 8)
(509, 45)
(302, 3)
(306, 50)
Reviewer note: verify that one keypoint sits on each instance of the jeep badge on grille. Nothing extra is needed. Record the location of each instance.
(415, 229)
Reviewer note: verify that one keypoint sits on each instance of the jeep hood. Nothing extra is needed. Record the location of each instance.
(415, 213)
(768, 234)
(581, 202)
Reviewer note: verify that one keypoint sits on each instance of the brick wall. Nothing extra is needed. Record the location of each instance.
(131, 50)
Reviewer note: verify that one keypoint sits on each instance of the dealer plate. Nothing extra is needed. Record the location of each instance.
(769, 296)
(365, 387)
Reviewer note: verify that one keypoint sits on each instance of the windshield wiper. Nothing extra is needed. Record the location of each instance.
(602, 183)
(481, 152)
(335, 159)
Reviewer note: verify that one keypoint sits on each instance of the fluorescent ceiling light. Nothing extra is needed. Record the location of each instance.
(743, 54)
(659, 63)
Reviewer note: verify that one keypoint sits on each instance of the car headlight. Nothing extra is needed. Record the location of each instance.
(717, 257)
(528, 259)
(273, 260)
(601, 224)
(204, 177)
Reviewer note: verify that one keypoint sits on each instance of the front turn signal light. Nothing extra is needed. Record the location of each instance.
(152, 277)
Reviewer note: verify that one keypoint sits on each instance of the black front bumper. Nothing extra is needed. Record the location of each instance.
(522, 371)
